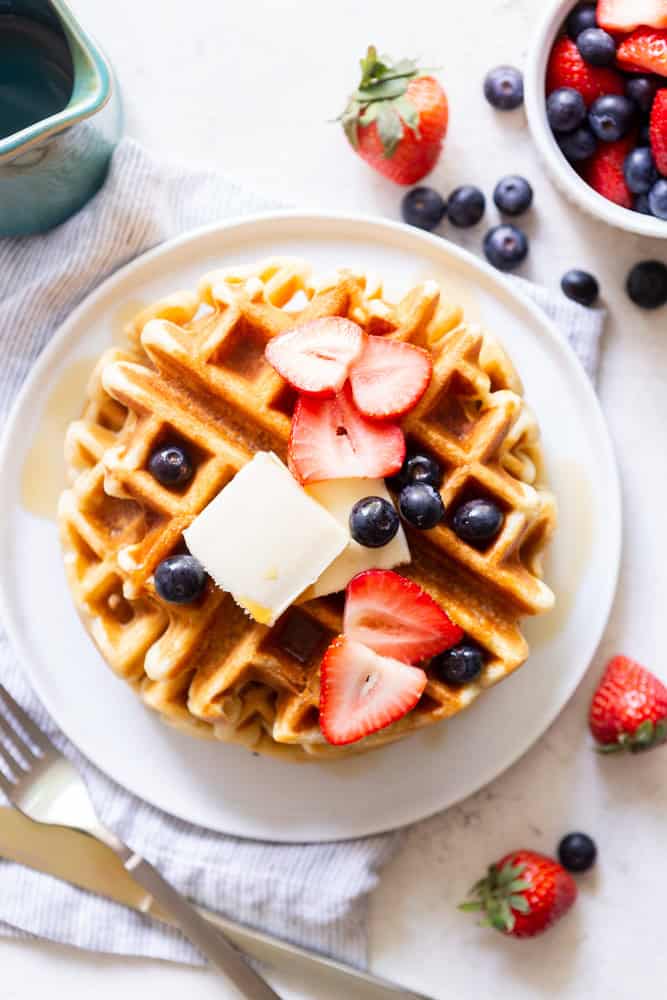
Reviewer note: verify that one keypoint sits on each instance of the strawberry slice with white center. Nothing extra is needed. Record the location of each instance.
(361, 692)
(316, 357)
(389, 378)
(395, 617)
(330, 439)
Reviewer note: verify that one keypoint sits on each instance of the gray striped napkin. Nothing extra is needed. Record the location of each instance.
(314, 894)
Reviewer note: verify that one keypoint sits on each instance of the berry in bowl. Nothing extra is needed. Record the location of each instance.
(596, 98)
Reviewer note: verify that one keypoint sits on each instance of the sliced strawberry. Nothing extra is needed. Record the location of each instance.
(316, 357)
(330, 439)
(626, 15)
(566, 68)
(646, 49)
(389, 378)
(658, 130)
(361, 692)
(395, 617)
(604, 171)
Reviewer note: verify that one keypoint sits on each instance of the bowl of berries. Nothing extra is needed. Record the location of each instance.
(596, 99)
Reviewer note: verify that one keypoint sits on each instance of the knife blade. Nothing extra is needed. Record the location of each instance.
(88, 864)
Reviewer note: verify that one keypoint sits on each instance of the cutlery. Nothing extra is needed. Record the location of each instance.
(42, 783)
(88, 864)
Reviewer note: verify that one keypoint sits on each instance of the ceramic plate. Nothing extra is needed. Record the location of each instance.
(224, 787)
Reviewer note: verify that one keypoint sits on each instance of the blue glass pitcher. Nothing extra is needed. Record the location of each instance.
(60, 115)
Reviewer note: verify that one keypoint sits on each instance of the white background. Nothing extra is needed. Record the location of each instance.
(249, 87)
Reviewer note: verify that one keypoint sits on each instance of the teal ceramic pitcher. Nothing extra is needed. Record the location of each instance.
(60, 115)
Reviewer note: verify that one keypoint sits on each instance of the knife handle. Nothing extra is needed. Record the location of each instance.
(217, 948)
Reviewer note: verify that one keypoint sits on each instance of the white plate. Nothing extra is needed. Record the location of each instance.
(224, 787)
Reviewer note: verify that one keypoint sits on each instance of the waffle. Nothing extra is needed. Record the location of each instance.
(195, 372)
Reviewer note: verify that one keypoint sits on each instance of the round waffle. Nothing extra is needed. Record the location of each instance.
(195, 372)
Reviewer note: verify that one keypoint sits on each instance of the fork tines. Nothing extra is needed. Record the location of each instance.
(17, 749)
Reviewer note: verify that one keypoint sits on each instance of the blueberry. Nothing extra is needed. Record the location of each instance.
(566, 109)
(641, 205)
(505, 247)
(513, 195)
(459, 665)
(478, 521)
(373, 522)
(465, 206)
(596, 47)
(640, 171)
(421, 505)
(611, 116)
(423, 207)
(657, 199)
(641, 90)
(170, 465)
(417, 469)
(580, 286)
(578, 145)
(577, 852)
(582, 17)
(647, 284)
(503, 88)
(180, 579)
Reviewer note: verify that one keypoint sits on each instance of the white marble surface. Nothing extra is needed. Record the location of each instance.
(249, 88)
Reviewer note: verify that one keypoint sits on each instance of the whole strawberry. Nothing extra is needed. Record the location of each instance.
(523, 894)
(629, 708)
(397, 118)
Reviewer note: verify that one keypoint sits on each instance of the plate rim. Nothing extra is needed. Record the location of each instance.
(311, 218)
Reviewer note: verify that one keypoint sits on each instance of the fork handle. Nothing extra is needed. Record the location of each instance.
(218, 949)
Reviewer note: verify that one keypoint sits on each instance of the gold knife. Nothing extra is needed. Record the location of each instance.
(84, 862)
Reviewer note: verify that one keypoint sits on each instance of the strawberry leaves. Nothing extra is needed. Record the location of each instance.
(378, 75)
(390, 128)
(646, 736)
(381, 98)
(498, 895)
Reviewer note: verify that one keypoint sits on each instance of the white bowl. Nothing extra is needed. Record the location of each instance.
(563, 175)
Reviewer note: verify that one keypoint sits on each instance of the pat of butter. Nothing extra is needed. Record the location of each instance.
(264, 539)
(339, 496)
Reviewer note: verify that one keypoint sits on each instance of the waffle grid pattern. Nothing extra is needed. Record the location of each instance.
(195, 372)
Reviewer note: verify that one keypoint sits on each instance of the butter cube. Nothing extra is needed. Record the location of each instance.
(339, 496)
(264, 540)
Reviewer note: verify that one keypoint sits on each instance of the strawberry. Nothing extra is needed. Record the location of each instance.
(315, 358)
(389, 378)
(658, 130)
(395, 617)
(361, 692)
(566, 68)
(396, 119)
(330, 439)
(645, 49)
(523, 894)
(626, 15)
(629, 708)
(604, 170)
